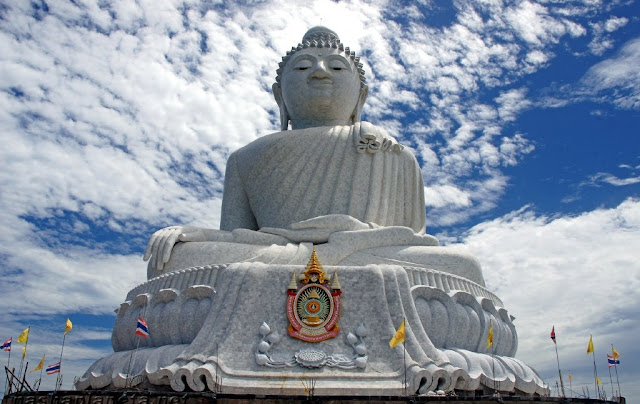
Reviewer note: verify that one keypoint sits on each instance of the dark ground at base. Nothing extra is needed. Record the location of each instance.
(145, 397)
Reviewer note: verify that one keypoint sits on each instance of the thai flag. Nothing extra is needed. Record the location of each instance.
(7, 345)
(612, 361)
(142, 329)
(52, 369)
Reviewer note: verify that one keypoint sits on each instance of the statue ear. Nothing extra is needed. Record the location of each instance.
(284, 115)
(357, 112)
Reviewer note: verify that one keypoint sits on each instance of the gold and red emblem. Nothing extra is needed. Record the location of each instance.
(313, 303)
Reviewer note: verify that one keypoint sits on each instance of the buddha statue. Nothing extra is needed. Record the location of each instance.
(331, 180)
(233, 310)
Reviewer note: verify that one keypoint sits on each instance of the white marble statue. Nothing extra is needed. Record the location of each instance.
(329, 176)
(215, 299)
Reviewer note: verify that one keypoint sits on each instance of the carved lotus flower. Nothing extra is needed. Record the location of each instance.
(263, 346)
(262, 359)
(361, 331)
(265, 329)
(274, 337)
(310, 358)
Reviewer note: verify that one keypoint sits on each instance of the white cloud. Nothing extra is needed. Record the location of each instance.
(579, 273)
(131, 101)
(615, 23)
(118, 117)
(439, 196)
(533, 23)
(619, 76)
(602, 40)
(613, 180)
(511, 103)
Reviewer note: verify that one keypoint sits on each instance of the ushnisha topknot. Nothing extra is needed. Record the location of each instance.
(322, 37)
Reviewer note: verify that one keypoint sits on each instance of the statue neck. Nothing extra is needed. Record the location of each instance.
(312, 123)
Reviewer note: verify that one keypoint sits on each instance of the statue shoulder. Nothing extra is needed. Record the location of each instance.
(374, 139)
(258, 145)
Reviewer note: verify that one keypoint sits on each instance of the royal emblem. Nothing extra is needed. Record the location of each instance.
(313, 303)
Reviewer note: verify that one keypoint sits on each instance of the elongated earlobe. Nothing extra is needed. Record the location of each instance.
(357, 112)
(284, 115)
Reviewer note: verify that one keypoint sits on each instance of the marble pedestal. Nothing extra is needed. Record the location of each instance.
(223, 328)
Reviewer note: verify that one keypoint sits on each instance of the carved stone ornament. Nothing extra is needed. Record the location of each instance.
(312, 357)
(313, 306)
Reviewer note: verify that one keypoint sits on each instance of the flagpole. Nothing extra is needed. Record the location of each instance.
(58, 378)
(613, 352)
(404, 357)
(559, 372)
(9, 360)
(9, 366)
(40, 383)
(493, 359)
(144, 314)
(26, 342)
(611, 381)
(131, 360)
(595, 370)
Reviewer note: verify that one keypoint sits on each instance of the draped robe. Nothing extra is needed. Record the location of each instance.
(290, 176)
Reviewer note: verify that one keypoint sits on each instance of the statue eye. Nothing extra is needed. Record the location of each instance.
(302, 65)
(337, 65)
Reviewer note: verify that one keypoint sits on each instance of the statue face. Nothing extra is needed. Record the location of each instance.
(320, 86)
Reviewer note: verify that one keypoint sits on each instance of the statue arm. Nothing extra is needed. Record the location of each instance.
(236, 209)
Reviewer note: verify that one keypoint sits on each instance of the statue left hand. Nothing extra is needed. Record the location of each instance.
(318, 229)
(161, 243)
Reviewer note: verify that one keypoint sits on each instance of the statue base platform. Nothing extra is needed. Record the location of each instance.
(228, 328)
(147, 397)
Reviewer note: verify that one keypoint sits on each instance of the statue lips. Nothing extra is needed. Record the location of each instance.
(320, 83)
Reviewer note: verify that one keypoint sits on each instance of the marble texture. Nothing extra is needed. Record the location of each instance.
(215, 299)
(445, 338)
(274, 181)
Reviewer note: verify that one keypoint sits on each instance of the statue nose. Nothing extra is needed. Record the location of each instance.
(320, 71)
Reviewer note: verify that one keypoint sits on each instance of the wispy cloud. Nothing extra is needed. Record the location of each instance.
(613, 180)
(617, 79)
(602, 40)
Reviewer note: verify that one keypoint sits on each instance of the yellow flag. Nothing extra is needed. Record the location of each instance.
(24, 336)
(590, 347)
(615, 353)
(68, 326)
(398, 337)
(40, 365)
(598, 380)
(570, 377)
(24, 351)
(490, 336)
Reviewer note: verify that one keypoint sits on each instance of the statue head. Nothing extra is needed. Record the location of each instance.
(320, 82)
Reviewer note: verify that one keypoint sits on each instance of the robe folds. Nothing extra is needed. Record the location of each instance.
(290, 176)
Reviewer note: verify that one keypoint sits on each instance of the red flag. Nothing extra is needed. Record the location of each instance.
(142, 329)
(553, 334)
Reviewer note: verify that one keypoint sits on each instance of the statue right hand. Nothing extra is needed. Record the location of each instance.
(318, 229)
(161, 243)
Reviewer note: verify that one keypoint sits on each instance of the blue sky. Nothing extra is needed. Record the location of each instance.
(118, 117)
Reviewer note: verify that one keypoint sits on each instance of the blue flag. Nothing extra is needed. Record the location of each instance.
(142, 329)
(7, 344)
(612, 361)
